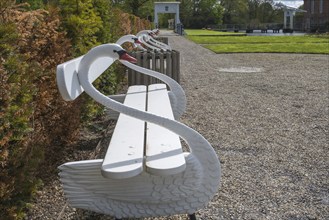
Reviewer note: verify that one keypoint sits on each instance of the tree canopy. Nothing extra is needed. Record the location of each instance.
(250, 11)
(202, 13)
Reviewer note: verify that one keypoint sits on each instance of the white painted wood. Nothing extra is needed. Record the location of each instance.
(144, 40)
(124, 156)
(114, 114)
(157, 43)
(177, 94)
(67, 76)
(144, 195)
(164, 154)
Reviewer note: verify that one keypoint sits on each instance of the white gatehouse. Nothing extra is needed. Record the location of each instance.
(167, 8)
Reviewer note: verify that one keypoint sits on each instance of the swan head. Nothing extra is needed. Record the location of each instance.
(133, 39)
(151, 33)
(129, 38)
(123, 55)
(114, 51)
(136, 42)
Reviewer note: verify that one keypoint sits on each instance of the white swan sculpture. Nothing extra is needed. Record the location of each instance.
(153, 40)
(156, 32)
(130, 38)
(144, 39)
(147, 38)
(144, 195)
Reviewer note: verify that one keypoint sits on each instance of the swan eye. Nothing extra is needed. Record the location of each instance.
(120, 52)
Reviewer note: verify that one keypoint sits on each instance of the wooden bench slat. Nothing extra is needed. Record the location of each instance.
(124, 157)
(164, 154)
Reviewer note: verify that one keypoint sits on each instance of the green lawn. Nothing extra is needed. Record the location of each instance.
(194, 32)
(256, 39)
(318, 48)
(260, 44)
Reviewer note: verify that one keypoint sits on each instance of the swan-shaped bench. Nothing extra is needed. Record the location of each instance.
(153, 39)
(128, 183)
(147, 38)
(129, 38)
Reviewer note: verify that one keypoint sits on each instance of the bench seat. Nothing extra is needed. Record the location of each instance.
(146, 146)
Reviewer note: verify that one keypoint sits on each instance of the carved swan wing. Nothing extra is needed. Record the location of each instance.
(141, 196)
(84, 179)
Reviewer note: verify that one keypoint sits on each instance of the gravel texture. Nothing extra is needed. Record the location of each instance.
(266, 115)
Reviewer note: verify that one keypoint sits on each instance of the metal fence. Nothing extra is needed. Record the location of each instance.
(163, 62)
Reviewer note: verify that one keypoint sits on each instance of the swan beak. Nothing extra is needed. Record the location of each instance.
(137, 41)
(127, 57)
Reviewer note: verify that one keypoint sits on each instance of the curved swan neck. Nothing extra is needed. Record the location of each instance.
(144, 32)
(105, 50)
(145, 42)
(199, 146)
(126, 38)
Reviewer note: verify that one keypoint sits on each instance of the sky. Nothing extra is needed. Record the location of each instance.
(292, 3)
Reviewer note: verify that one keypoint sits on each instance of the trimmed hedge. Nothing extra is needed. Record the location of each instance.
(35, 122)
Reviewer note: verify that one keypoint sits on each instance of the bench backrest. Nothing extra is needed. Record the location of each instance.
(67, 76)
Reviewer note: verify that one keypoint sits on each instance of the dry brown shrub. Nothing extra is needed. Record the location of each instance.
(50, 120)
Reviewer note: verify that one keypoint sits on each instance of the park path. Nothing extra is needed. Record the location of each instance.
(267, 117)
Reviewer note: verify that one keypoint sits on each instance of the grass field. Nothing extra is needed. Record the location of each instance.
(195, 32)
(260, 44)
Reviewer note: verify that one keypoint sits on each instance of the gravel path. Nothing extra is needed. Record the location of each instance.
(266, 115)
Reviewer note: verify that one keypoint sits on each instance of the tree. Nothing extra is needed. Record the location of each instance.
(261, 11)
(104, 9)
(34, 4)
(186, 12)
(198, 14)
(131, 6)
(82, 22)
(266, 12)
(235, 11)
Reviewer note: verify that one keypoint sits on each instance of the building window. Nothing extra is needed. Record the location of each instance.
(312, 6)
(321, 7)
(166, 8)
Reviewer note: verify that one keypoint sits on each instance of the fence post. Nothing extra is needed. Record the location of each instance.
(175, 66)
(154, 63)
(146, 64)
(168, 64)
(164, 62)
